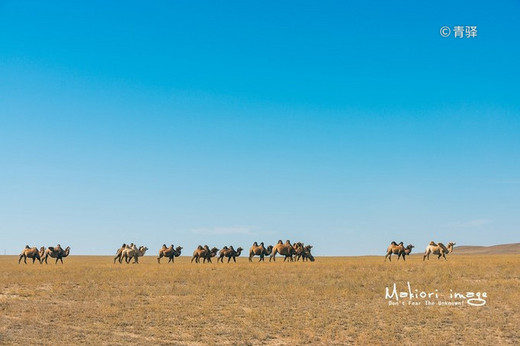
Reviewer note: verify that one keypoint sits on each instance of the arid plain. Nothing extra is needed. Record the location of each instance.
(334, 300)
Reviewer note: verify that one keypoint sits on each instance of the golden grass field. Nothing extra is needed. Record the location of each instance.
(335, 300)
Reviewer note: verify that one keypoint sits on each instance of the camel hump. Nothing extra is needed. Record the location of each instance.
(255, 244)
(393, 242)
(51, 248)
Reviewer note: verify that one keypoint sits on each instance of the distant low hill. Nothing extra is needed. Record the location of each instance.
(502, 249)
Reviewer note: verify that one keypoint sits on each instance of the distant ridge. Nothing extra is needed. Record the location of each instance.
(502, 249)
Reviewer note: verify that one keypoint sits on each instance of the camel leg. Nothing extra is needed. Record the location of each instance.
(20, 259)
(234, 259)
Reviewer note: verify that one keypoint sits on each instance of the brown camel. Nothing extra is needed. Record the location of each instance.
(259, 250)
(286, 250)
(212, 253)
(169, 252)
(438, 249)
(230, 253)
(406, 252)
(133, 252)
(306, 254)
(395, 249)
(200, 252)
(205, 253)
(31, 252)
(56, 252)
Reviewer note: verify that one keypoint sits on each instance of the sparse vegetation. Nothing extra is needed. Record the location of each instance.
(330, 301)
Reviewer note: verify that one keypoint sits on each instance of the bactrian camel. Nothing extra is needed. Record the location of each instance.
(259, 250)
(169, 252)
(286, 250)
(205, 253)
(438, 249)
(31, 252)
(133, 252)
(230, 253)
(56, 252)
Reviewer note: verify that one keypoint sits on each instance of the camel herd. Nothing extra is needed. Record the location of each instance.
(42, 254)
(433, 248)
(290, 251)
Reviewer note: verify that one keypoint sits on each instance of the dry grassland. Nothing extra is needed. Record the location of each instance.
(89, 300)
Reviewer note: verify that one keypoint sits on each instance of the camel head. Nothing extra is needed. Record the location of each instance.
(410, 246)
(240, 249)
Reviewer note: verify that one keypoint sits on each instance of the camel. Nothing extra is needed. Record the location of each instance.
(31, 252)
(306, 254)
(169, 252)
(205, 253)
(229, 253)
(395, 249)
(56, 252)
(298, 250)
(286, 250)
(212, 253)
(120, 252)
(200, 252)
(438, 249)
(259, 250)
(406, 252)
(133, 252)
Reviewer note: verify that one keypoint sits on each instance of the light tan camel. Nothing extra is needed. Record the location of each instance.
(169, 252)
(395, 249)
(56, 252)
(438, 249)
(133, 252)
(230, 253)
(31, 252)
(120, 252)
(259, 250)
(286, 250)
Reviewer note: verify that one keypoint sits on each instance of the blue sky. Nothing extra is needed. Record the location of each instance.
(227, 123)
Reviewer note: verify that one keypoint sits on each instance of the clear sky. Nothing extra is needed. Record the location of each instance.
(345, 125)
